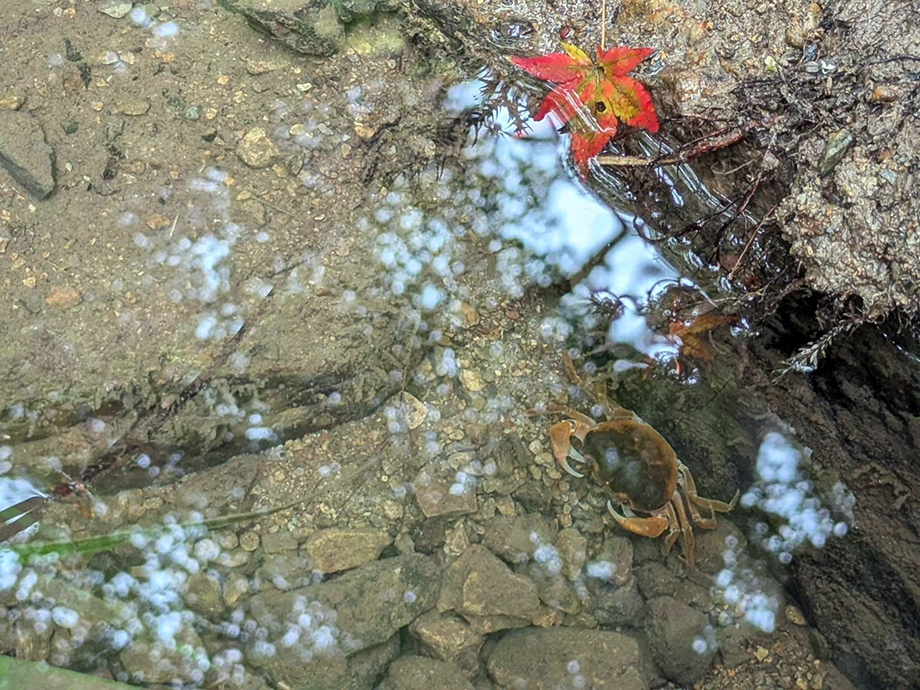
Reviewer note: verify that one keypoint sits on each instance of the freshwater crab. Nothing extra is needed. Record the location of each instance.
(636, 467)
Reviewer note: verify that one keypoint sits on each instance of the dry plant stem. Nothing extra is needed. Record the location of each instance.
(705, 145)
(603, 24)
(273, 207)
(738, 211)
(731, 274)
(700, 222)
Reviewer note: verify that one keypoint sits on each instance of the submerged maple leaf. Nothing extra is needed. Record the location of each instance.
(592, 98)
(691, 334)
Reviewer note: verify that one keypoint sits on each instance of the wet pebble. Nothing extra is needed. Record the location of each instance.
(439, 493)
(33, 302)
(795, 33)
(471, 381)
(63, 297)
(11, 101)
(133, 107)
(371, 604)
(116, 8)
(249, 541)
(256, 150)
(711, 546)
(257, 67)
(364, 132)
(794, 615)
(614, 563)
(203, 595)
(158, 663)
(883, 93)
(335, 549)
(235, 587)
(675, 634)
(517, 538)
(469, 315)
(157, 221)
(556, 592)
(456, 540)
(572, 548)
(835, 148)
(416, 410)
(281, 541)
(617, 605)
(448, 638)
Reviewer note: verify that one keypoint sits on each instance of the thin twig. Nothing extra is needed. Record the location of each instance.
(603, 24)
(739, 209)
(738, 168)
(705, 145)
(700, 222)
(894, 58)
(731, 274)
(273, 207)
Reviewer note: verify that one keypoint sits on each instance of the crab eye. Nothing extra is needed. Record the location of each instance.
(600, 107)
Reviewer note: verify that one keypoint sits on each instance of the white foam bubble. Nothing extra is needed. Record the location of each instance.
(166, 30)
(65, 617)
(431, 297)
(601, 570)
(258, 433)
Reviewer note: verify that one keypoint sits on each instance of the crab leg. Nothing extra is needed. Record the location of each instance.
(698, 520)
(686, 529)
(584, 421)
(559, 409)
(646, 527)
(570, 370)
(599, 395)
(674, 529)
(693, 499)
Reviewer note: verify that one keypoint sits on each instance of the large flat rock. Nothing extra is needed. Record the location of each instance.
(545, 659)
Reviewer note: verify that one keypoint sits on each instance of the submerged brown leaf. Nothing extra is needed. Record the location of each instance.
(691, 334)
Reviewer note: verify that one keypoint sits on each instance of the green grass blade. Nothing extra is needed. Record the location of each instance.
(19, 674)
(106, 542)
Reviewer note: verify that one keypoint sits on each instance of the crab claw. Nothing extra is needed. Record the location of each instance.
(616, 516)
(568, 468)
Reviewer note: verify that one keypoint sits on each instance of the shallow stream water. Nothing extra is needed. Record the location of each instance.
(284, 424)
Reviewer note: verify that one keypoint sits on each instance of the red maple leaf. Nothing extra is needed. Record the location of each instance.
(592, 98)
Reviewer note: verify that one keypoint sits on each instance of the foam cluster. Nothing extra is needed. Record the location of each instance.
(744, 590)
(152, 606)
(787, 495)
